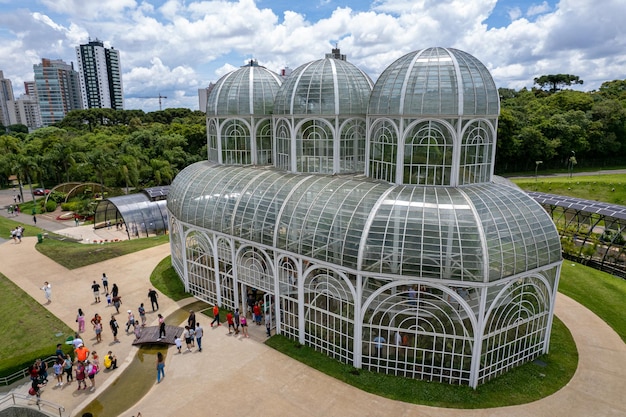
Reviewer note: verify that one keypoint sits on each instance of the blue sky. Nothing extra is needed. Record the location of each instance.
(174, 47)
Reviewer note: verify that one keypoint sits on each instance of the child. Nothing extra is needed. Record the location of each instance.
(179, 343)
(80, 375)
(58, 372)
(109, 299)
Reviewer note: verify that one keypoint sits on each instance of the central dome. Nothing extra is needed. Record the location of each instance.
(435, 81)
(328, 86)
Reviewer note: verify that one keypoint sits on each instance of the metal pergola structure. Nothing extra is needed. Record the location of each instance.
(592, 231)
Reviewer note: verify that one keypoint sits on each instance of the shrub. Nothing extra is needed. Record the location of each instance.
(51, 205)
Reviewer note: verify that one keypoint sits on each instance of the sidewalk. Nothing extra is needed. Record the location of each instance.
(241, 377)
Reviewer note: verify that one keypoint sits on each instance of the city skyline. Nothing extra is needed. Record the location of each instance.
(173, 48)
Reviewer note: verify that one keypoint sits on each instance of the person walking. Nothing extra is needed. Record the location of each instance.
(114, 327)
(80, 319)
(142, 315)
(105, 282)
(216, 315)
(131, 321)
(161, 327)
(160, 367)
(153, 296)
(237, 320)
(97, 327)
(187, 337)
(199, 334)
(231, 322)
(115, 291)
(191, 320)
(67, 368)
(95, 287)
(244, 326)
(47, 291)
(91, 370)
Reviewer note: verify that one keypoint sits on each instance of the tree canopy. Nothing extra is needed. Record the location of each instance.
(556, 82)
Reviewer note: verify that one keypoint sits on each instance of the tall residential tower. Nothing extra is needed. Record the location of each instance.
(100, 76)
(57, 90)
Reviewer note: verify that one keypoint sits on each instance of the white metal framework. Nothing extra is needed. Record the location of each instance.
(431, 268)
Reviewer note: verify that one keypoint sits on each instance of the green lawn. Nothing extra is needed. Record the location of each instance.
(165, 279)
(29, 331)
(521, 385)
(75, 255)
(602, 293)
(610, 188)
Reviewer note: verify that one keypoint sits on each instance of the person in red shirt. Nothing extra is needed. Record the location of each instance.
(216, 314)
(231, 323)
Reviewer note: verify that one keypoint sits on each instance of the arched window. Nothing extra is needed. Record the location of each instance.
(476, 151)
(383, 152)
(428, 154)
(352, 146)
(264, 143)
(283, 145)
(315, 147)
(236, 143)
(212, 141)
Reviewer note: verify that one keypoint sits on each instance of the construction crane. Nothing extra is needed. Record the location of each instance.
(160, 97)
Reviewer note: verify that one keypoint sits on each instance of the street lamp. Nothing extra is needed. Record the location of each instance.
(537, 163)
(570, 163)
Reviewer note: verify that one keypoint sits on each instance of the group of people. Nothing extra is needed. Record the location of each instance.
(17, 233)
(13, 210)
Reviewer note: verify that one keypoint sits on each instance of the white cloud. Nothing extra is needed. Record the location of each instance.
(536, 9)
(174, 46)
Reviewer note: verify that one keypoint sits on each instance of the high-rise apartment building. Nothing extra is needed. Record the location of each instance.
(100, 76)
(57, 88)
(6, 96)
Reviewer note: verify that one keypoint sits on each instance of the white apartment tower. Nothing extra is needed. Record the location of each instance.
(100, 76)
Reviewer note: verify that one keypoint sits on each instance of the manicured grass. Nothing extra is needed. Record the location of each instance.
(166, 280)
(75, 255)
(610, 188)
(29, 331)
(521, 385)
(602, 293)
(8, 224)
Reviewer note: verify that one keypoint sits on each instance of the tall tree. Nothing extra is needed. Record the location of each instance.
(557, 81)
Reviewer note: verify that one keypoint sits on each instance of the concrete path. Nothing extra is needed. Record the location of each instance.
(234, 376)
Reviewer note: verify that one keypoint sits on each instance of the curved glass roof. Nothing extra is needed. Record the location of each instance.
(481, 232)
(435, 81)
(144, 213)
(327, 86)
(250, 90)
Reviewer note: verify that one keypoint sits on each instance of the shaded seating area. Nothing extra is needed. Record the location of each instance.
(141, 214)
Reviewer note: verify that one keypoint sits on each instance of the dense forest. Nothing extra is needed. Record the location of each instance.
(561, 128)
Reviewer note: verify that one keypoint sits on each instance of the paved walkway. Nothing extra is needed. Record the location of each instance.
(241, 377)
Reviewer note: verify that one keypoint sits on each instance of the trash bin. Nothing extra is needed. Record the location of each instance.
(39, 237)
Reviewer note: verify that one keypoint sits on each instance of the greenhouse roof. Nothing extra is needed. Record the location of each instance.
(480, 233)
(435, 81)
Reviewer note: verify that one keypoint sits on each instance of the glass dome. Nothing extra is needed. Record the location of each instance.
(435, 81)
(250, 90)
(328, 86)
(478, 233)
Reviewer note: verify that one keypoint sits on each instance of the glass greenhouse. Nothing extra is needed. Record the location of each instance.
(141, 214)
(406, 256)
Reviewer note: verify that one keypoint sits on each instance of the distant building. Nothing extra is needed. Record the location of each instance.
(25, 111)
(57, 88)
(6, 96)
(203, 94)
(100, 76)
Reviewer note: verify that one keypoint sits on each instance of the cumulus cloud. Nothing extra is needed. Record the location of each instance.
(173, 47)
